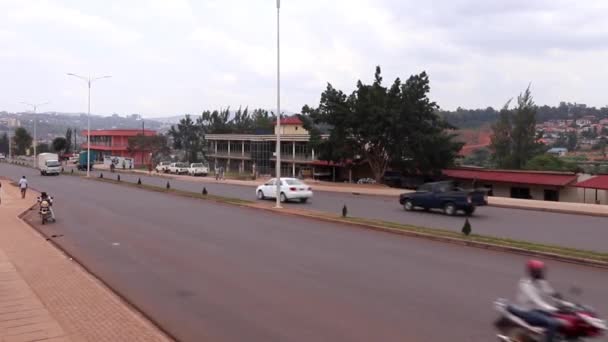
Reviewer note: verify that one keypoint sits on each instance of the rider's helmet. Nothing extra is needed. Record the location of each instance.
(536, 269)
(43, 194)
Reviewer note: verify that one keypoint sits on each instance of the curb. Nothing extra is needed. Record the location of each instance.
(463, 242)
(551, 210)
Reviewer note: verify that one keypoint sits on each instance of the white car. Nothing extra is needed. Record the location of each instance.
(198, 169)
(163, 167)
(178, 168)
(2, 157)
(291, 189)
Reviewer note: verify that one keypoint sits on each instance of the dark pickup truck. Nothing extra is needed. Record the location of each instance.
(444, 195)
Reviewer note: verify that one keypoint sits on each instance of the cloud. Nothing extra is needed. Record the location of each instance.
(176, 56)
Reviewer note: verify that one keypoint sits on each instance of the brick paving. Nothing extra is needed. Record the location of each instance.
(44, 296)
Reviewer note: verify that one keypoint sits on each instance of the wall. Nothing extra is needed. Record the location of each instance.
(291, 129)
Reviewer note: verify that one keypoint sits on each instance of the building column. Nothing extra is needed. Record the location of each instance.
(243, 148)
(215, 143)
(313, 153)
(228, 148)
(293, 165)
(242, 166)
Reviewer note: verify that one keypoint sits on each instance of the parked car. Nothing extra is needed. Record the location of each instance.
(291, 189)
(178, 168)
(444, 195)
(198, 169)
(366, 181)
(2, 157)
(162, 167)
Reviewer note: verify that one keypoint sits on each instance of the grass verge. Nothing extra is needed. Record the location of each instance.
(567, 254)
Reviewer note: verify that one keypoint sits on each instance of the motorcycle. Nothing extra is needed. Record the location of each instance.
(44, 209)
(576, 322)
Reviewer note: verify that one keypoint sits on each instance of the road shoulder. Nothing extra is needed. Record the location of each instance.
(59, 296)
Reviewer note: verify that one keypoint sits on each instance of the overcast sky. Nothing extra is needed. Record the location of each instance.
(172, 57)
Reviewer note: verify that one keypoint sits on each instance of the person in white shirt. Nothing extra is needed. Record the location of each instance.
(536, 299)
(23, 186)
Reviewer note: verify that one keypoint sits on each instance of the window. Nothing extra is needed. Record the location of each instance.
(270, 182)
(523, 193)
(551, 195)
(293, 182)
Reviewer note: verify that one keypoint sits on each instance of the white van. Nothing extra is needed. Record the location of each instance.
(49, 164)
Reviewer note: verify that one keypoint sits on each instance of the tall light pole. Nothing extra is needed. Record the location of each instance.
(88, 80)
(278, 128)
(34, 107)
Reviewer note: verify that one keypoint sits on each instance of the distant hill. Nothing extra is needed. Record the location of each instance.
(474, 118)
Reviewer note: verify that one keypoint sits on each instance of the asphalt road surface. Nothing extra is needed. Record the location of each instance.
(577, 231)
(205, 271)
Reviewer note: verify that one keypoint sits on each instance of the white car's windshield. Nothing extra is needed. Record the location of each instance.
(181, 165)
(197, 165)
(52, 163)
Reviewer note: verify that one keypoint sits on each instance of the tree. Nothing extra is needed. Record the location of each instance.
(157, 145)
(480, 157)
(397, 126)
(547, 162)
(59, 144)
(514, 138)
(43, 148)
(189, 137)
(22, 140)
(572, 141)
(4, 145)
(68, 140)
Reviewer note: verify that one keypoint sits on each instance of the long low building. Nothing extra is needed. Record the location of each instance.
(536, 185)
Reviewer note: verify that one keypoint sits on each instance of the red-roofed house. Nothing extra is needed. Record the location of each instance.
(114, 142)
(598, 187)
(538, 185)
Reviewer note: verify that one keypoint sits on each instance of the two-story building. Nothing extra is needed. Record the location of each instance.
(255, 153)
(114, 142)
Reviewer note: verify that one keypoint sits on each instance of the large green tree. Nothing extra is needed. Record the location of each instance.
(59, 144)
(514, 138)
(4, 145)
(396, 126)
(22, 140)
(189, 137)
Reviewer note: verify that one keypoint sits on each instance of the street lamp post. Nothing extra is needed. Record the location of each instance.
(278, 128)
(88, 80)
(34, 109)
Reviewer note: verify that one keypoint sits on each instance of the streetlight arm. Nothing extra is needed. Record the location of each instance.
(86, 79)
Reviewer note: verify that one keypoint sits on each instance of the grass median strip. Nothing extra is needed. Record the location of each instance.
(576, 255)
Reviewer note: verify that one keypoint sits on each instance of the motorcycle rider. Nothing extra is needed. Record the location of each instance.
(44, 196)
(535, 300)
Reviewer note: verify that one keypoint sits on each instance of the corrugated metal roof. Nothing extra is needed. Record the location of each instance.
(517, 177)
(598, 182)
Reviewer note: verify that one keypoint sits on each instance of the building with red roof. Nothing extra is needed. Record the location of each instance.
(538, 185)
(114, 143)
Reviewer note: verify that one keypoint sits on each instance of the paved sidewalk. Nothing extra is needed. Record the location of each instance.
(45, 296)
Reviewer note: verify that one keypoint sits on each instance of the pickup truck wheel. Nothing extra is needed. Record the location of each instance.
(408, 205)
(449, 209)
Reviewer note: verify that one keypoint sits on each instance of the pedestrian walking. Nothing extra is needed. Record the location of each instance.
(23, 186)
(222, 173)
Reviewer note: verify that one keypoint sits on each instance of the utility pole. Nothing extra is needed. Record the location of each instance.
(278, 128)
(34, 107)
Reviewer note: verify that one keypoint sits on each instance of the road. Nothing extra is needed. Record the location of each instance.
(577, 231)
(206, 271)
